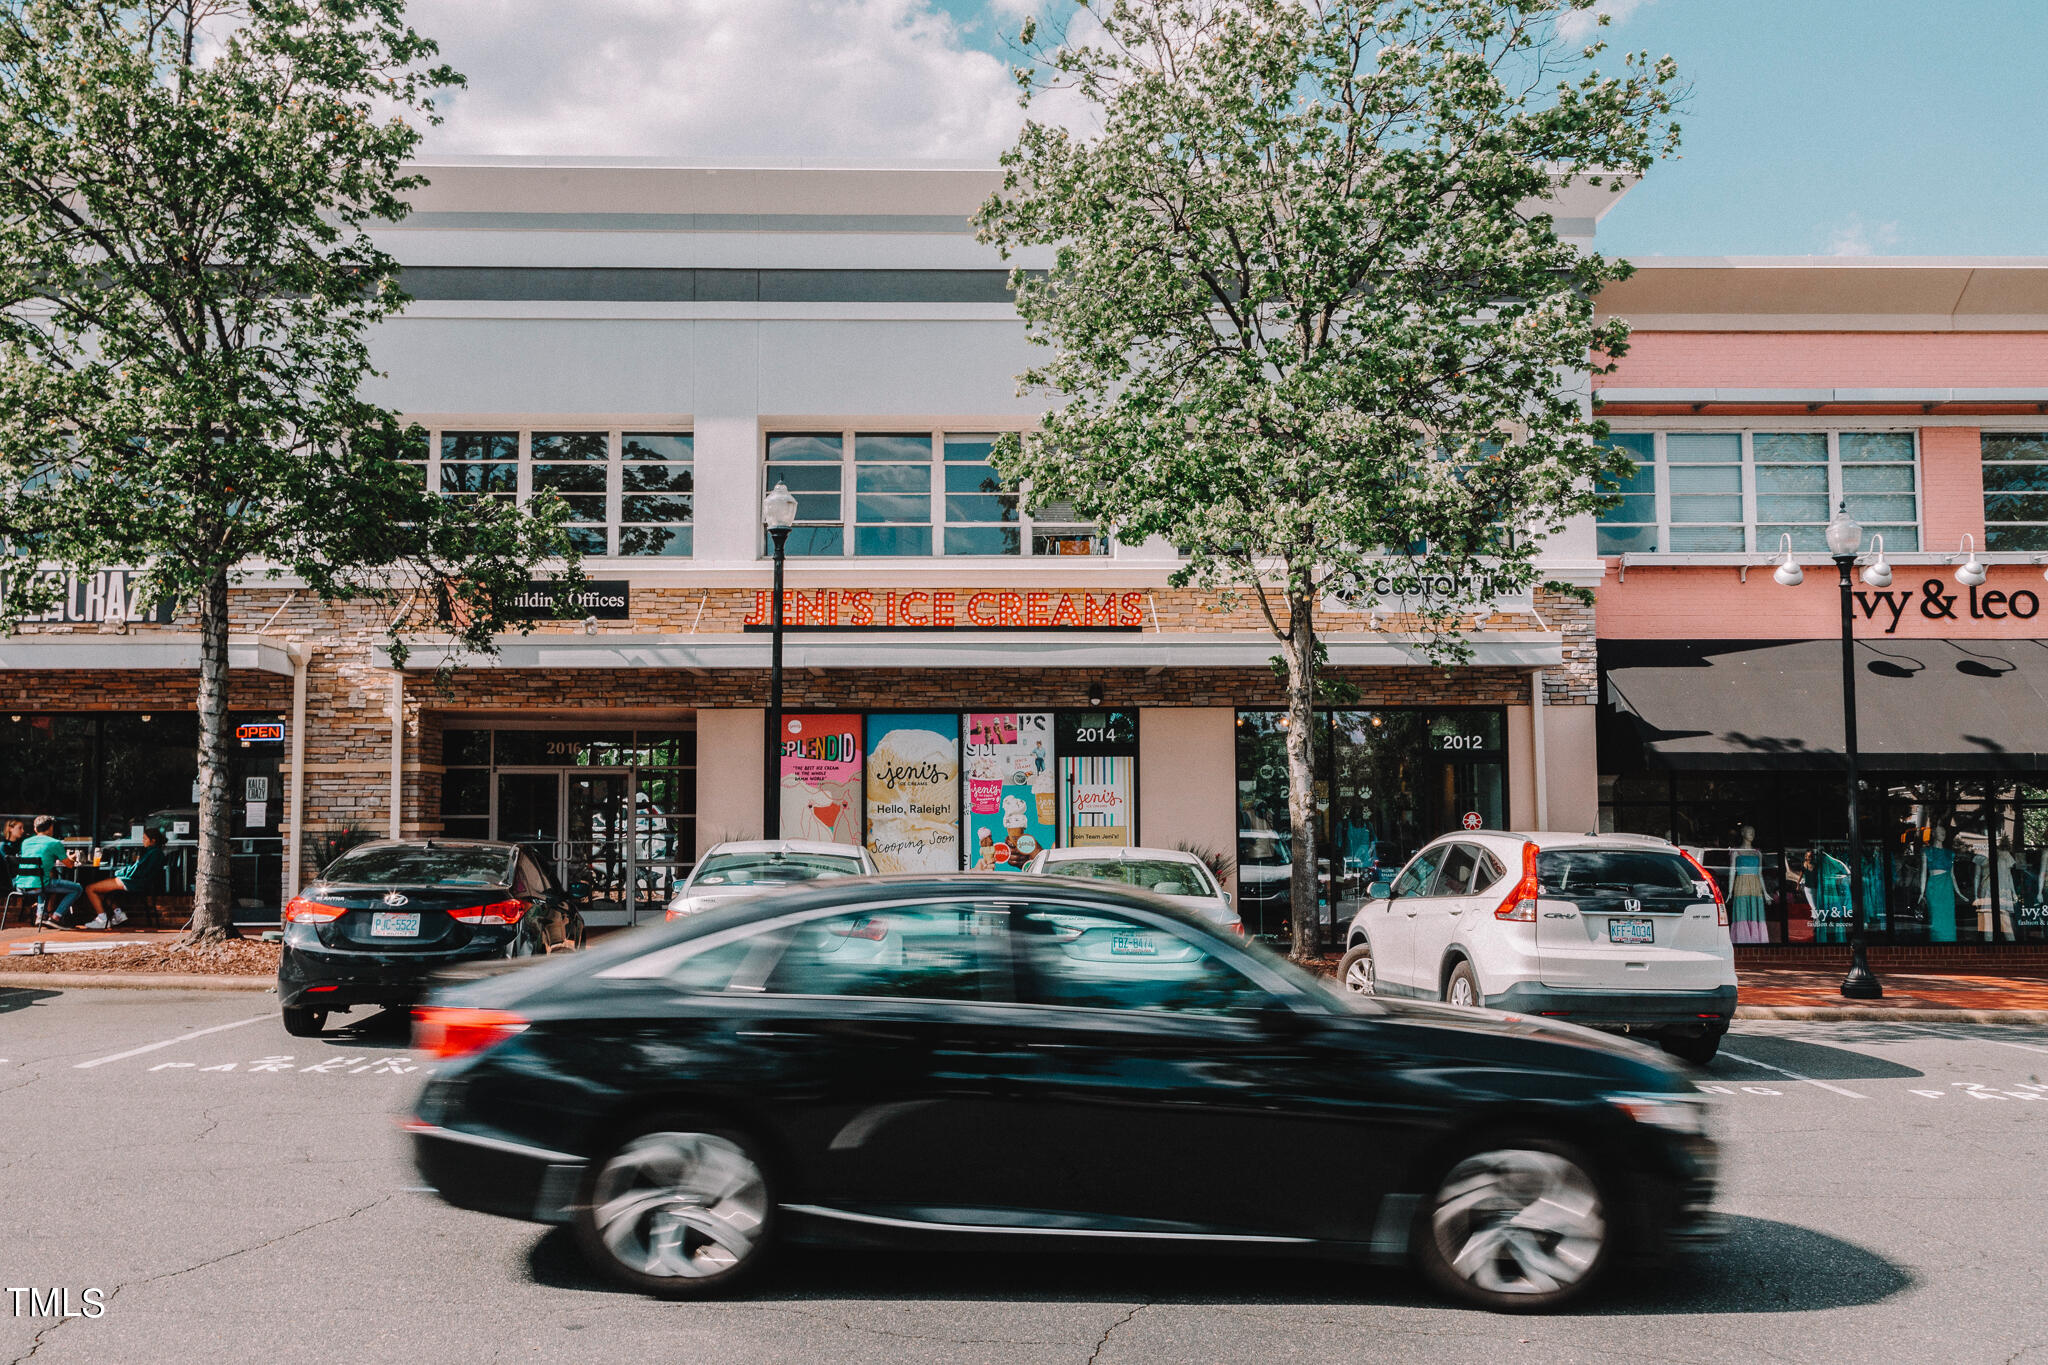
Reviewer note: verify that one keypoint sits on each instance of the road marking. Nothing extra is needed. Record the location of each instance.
(1835, 1089)
(2000, 1042)
(170, 1042)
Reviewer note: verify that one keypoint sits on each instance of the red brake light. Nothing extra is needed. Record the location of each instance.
(303, 911)
(1720, 905)
(870, 927)
(1520, 904)
(451, 1031)
(498, 912)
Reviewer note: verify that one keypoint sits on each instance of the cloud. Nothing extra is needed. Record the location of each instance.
(717, 79)
(1858, 238)
(1581, 26)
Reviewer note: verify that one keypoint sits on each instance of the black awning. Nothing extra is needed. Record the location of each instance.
(1941, 705)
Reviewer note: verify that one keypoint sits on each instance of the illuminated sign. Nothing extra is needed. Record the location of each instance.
(905, 609)
(261, 732)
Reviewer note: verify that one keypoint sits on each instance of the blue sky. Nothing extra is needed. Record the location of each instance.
(1893, 127)
(1902, 127)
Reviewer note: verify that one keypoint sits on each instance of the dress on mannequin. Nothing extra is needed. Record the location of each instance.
(1831, 901)
(2002, 884)
(1938, 889)
(1873, 888)
(1746, 895)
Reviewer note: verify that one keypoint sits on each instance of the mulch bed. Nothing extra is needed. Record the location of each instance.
(229, 957)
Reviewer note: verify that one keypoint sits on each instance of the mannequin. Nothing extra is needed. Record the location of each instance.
(1938, 888)
(2002, 884)
(1746, 892)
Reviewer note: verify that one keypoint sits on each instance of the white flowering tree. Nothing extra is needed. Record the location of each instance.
(1306, 305)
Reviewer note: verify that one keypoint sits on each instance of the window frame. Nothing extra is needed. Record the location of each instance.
(614, 524)
(2038, 528)
(1752, 541)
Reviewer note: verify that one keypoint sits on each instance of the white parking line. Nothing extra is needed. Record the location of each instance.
(2024, 1047)
(171, 1042)
(1751, 1061)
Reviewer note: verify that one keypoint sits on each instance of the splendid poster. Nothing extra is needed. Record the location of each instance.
(821, 778)
(1012, 792)
(913, 786)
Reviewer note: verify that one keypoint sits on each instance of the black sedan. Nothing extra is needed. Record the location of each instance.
(1038, 1062)
(385, 914)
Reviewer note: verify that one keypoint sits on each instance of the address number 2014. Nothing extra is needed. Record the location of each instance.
(1460, 741)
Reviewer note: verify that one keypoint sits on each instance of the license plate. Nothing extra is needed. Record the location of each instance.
(1133, 945)
(390, 924)
(1629, 931)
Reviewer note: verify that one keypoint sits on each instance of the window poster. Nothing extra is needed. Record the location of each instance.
(821, 778)
(913, 787)
(1098, 778)
(1012, 799)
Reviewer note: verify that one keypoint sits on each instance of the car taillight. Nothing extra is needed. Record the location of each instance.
(1720, 904)
(303, 911)
(453, 1031)
(1238, 928)
(870, 928)
(1520, 904)
(497, 912)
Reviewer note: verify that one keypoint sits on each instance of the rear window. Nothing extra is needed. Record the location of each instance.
(1635, 871)
(1161, 875)
(772, 869)
(419, 865)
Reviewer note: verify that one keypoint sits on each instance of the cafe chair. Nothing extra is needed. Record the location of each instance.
(31, 899)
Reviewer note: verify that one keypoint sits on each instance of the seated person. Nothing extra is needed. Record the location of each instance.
(41, 855)
(145, 874)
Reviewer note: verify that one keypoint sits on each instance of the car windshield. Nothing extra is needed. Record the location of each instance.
(773, 869)
(1166, 876)
(423, 865)
(1266, 848)
(1641, 871)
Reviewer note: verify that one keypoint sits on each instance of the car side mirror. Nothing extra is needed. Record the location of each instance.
(1227, 899)
(1380, 891)
(579, 890)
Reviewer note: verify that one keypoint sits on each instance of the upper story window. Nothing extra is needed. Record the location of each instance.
(1746, 491)
(2015, 490)
(628, 493)
(911, 494)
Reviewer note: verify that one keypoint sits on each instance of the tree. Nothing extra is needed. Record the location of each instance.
(1305, 303)
(187, 284)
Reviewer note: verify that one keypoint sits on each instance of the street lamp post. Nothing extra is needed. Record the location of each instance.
(778, 514)
(1845, 540)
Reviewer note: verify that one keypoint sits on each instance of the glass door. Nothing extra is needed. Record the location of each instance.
(598, 847)
(530, 812)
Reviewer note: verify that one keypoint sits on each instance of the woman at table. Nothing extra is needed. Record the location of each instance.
(145, 874)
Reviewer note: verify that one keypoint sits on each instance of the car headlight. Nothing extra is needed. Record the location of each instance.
(1676, 1113)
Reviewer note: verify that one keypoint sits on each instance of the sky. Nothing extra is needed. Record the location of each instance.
(1854, 127)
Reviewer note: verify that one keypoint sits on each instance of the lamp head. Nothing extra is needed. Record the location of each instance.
(1845, 533)
(1972, 574)
(1789, 574)
(1879, 574)
(778, 509)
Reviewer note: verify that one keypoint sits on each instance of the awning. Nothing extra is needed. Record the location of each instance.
(159, 650)
(1961, 706)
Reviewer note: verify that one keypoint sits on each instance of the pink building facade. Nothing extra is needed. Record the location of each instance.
(1756, 397)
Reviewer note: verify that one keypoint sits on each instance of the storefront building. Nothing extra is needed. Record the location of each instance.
(965, 684)
(1755, 396)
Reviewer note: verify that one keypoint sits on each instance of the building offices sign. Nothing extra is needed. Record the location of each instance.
(111, 595)
(603, 598)
(907, 609)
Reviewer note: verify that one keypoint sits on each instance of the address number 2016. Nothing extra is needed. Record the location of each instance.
(1460, 741)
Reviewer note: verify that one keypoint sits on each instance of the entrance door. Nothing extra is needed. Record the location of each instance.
(597, 844)
(530, 812)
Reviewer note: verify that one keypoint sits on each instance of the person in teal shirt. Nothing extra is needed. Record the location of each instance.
(37, 871)
(145, 874)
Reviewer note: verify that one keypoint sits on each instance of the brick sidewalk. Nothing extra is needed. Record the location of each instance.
(1905, 991)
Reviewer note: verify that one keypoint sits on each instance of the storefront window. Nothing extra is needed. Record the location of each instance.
(1387, 782)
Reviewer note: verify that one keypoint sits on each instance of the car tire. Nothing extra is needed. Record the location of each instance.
(1697, 1048)
(1462, 987)
(1518, 1224)
(681, 1207)
(1355, 971)
(301, 1022)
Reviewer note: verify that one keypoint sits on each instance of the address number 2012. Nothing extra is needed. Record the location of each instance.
(1460, 742)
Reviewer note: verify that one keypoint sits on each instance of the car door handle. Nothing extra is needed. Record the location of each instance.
(772, 1033)
(1055, 1047)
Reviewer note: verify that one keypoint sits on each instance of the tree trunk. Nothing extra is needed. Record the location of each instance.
(213, 899)
(1305, 887)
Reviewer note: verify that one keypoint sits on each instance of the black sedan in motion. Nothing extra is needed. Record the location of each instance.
(385, 914)
(1038, 1062)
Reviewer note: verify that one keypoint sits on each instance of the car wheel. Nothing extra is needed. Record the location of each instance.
(679, 1209)
(1517, 1226)
(1697, 1048)
(304, 1023)
(1355, 972)
(1463, 987)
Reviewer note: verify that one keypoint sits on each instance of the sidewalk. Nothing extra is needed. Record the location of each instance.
(1905, 992)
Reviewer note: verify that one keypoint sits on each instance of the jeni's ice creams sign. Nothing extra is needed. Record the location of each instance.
(821, 777)
(903, 609)
(913, 786)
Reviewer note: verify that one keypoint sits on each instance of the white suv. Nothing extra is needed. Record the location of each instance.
(1616, 931)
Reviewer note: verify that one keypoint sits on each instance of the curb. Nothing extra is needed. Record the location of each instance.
(136, 981)
(1894, 1015)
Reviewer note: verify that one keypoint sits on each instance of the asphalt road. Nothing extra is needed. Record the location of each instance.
(238, 1195)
